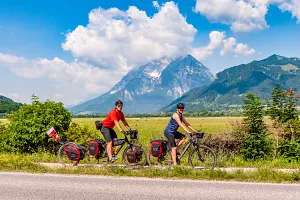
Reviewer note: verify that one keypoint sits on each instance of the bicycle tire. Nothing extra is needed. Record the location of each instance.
(63, 159)
(206, 154)
(166, 160)
(136, 148)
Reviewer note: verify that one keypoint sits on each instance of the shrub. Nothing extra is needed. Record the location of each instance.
(283, 113)
(81, 134)
(3, 137)
(256, 144)
(28, 127)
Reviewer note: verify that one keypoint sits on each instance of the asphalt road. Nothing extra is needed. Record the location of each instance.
(50, 186)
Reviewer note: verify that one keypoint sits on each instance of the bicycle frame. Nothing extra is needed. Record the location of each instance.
(121, 146)
(190, 142)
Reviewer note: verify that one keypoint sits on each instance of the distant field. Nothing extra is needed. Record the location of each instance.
(153, 128)
(157, 125)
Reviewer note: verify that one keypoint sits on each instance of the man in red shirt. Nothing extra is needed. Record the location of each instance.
(111, 120)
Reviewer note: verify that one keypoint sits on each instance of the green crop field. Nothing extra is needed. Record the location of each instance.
(153, 128)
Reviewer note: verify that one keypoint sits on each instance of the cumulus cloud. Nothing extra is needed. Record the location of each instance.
(244, 15)
(155, 4)
(239, 49)
(124, 39)
(218, 40)
(80, 77)
(241, 15)
(292, 6)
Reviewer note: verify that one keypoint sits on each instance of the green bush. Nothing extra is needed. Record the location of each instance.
(3, 137)
(28, 126)
(81, 134)
(290, 149)
(256, 144)
(282, 108)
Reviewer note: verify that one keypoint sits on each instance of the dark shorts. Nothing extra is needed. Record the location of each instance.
(108, 133)
(171, 138)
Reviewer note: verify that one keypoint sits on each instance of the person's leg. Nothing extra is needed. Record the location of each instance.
(113, 136)
(107, 136)
(174, 156)
(180, 137)
(171, 140)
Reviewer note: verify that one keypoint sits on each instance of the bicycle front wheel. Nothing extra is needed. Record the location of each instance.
(202, 157)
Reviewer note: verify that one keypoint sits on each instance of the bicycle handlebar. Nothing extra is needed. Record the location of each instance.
(197, 134)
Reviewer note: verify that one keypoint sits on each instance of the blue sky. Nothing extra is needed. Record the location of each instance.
(52, 49)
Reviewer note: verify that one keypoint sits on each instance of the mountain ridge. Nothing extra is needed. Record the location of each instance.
(230, 86)
(151, 86)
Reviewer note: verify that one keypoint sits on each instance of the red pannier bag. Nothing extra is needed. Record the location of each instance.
(96, 147)
(157, 148)
(131, 156)
(72, 152)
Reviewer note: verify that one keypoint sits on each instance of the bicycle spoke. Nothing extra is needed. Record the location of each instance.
(202, 158)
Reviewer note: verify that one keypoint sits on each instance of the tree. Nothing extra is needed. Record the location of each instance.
(282, 108)
(256, 144)
(28, 127)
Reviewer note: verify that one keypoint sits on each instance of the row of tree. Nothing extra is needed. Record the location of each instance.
(190, 113)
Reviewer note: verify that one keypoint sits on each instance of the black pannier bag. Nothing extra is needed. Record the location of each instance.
(98, 125)
(96, 147)
(133, 134)
(131, 156)
(73, 153)
(158, 147)
(118, 142)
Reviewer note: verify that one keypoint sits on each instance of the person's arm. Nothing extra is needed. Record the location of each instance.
(118, 126)
(187, 124)
(126, 124)
(177, 119)
(115, 119)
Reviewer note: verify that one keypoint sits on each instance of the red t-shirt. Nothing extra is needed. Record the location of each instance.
(111, 117)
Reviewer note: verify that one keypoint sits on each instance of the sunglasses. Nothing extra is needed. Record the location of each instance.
(120, 105)
(180, 108)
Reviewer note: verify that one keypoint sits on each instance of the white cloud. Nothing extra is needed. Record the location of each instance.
(244, 15)
(292, 6)
(79, 77)
(155, 4)
(241, 15)
(218, 41)
(239, 49)
(124, 39)
(243, 50)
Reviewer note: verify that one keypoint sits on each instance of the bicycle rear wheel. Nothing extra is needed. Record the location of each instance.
(165, 160)
(63, 156)
(202, 157)
(134, 151)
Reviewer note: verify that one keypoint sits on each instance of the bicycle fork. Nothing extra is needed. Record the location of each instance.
(199, 154)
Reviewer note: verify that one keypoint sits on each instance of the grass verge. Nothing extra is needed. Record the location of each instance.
(19, 163)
